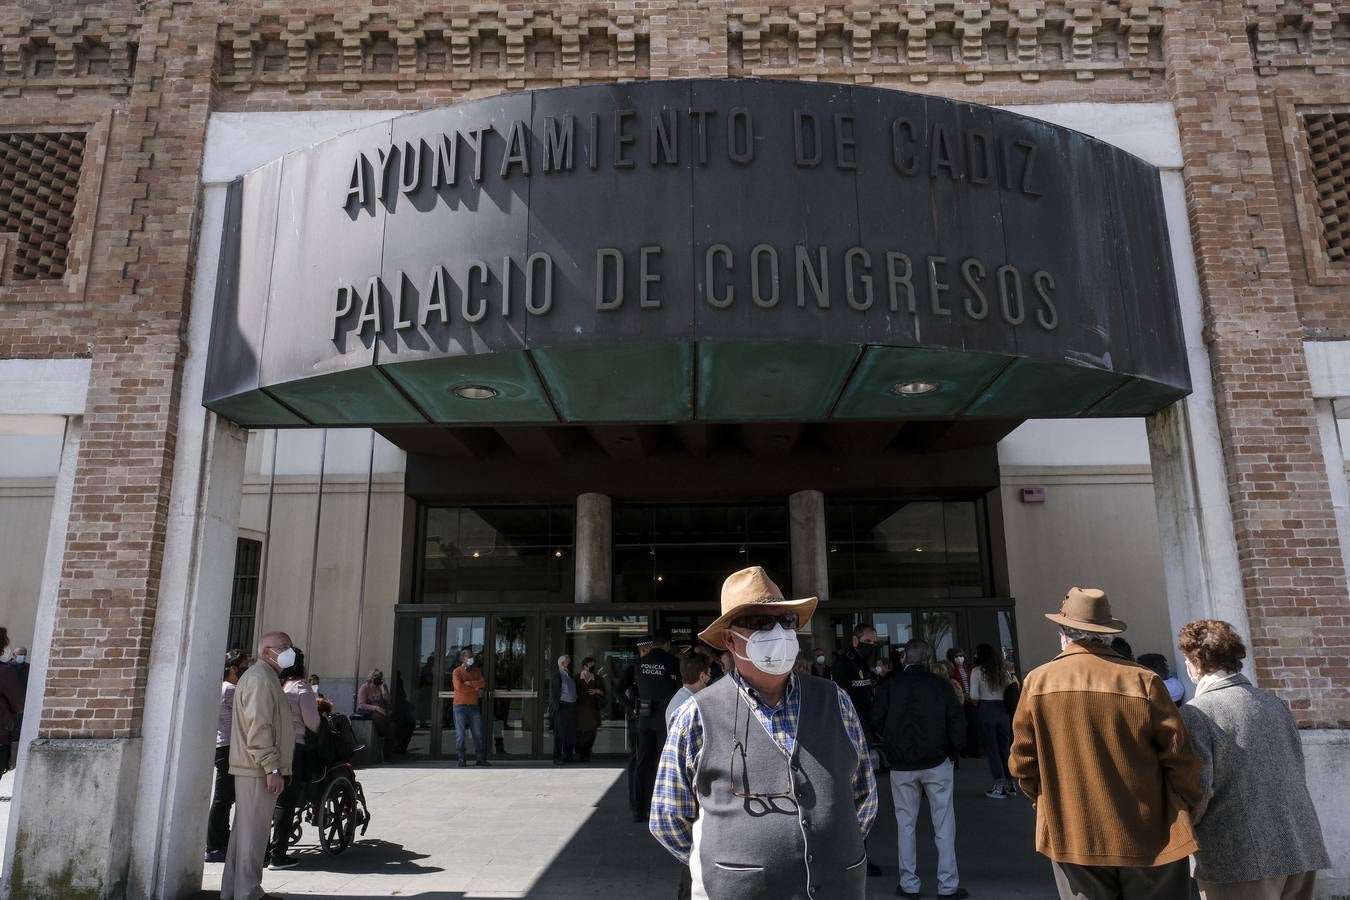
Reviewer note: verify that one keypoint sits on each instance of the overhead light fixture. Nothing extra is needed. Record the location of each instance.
(660, 578)
(913, 388)
(473, 391)
(557, 554)
(475, 554)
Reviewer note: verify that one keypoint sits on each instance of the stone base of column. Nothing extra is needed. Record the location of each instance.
(74, 839)
(1326, 754)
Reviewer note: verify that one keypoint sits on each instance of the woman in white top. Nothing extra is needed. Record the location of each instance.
(305, 717)
(988, 680)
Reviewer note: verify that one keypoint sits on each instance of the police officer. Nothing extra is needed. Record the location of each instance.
(854, 672)
(658, 679)
(628, 695)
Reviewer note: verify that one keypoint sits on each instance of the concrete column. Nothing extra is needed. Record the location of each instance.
(594, 549)
(40, 649)
(806, 537)
(1335, 459)
(1195, 520)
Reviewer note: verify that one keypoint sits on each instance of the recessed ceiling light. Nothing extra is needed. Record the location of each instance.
(476, 554)
(913, 388)
(473, 391)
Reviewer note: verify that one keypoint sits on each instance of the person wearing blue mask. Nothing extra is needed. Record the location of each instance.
(765, 789)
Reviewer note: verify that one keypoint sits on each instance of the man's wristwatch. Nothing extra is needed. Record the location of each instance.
(274, 772)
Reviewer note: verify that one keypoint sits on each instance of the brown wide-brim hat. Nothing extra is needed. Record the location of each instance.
(1087, 609)
(746, 591)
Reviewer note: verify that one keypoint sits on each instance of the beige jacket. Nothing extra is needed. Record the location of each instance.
(262, 737)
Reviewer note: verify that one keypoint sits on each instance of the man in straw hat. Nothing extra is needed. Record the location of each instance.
(1102, 751)
(765, 788)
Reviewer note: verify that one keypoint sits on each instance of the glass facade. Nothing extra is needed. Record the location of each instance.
(907, 550)
(485, 554)
(682, 553)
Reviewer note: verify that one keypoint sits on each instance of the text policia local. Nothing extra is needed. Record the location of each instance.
(764, 275)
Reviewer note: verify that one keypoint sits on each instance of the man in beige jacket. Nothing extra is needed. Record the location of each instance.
(262, 743)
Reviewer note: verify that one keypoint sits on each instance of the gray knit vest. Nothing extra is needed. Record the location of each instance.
(807, 846)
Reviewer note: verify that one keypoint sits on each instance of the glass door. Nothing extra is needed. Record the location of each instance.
(413, 688)
(458, 633)
(514, 712)
(612, 642)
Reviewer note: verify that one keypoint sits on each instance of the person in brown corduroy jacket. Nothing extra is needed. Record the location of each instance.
(1102, 751)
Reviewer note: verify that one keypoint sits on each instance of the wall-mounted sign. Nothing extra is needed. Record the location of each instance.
(578, 250)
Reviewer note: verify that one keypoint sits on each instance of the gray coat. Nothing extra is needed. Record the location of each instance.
(1258, 820)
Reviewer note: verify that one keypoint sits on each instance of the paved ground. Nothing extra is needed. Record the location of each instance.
(536, 832)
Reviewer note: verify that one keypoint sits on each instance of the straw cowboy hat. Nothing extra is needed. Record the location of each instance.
(1087, 609)
(746, 590)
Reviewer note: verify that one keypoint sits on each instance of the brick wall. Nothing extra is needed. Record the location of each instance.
(141, 79)
(1288, 548)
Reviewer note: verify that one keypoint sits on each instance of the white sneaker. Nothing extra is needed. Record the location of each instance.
(996, 793)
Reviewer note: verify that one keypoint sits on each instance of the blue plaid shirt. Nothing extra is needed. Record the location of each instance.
(674, 807)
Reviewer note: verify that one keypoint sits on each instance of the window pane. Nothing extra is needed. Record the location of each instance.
(895, 550)
(485, 554)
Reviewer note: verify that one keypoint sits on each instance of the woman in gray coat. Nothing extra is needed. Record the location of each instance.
(1258, 832)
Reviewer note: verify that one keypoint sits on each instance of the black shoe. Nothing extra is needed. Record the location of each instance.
(908, 895)
(213, 856)
(873, 869)
(960, 893)
(483, 762)
(283, 862)
(462, 764)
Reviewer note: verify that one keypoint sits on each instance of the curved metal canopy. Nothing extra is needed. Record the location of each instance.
(704, 250)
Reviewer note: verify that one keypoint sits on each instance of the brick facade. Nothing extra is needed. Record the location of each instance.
(141, 80)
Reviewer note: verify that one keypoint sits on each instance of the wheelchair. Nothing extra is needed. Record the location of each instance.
(335, 804)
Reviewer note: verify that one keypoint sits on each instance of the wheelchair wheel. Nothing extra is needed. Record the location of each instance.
(337, 816)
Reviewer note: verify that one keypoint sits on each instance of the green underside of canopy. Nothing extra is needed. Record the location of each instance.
(726, 381)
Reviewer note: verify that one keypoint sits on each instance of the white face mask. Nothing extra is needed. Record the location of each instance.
(286, 658)
(469, 662)
(773, 652)
(820, 660)
(21, 659)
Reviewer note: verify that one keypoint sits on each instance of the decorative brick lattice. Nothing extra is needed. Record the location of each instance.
(1293, 34)
(39, 178)
(492, 46)
(1329, 149)
(973, 39)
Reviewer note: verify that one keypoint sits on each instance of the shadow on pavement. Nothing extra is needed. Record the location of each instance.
(366, 856)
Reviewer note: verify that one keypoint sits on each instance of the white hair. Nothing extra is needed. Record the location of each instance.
(563, 657)
(1078, 636)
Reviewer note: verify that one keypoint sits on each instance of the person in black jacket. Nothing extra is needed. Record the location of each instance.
(922, 730)
(658, 679)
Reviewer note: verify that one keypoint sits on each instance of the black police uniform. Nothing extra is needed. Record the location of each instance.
(658, 680)
(853, 672)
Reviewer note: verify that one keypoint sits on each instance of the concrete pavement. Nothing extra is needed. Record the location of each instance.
(538, 832)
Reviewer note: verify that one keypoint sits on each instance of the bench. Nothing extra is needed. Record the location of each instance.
(372, 754)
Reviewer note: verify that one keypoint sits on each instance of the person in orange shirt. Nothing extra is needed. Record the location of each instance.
(469, 681)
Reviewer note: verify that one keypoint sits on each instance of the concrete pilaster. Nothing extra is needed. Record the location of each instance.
(1195, 520)
(594, 549)
(806, 536)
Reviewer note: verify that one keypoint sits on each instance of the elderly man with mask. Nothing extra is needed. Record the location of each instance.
(262, 748)
(765, 789)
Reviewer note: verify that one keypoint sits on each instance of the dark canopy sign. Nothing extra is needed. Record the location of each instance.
(711, 250)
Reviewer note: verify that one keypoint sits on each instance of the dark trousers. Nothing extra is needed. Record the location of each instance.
(631, 766)
(283, 817)
(564, 731)
(972, 748)
(686, 888)
(651, 739)
(1169, 882)
(996, 737)
(222, 798)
